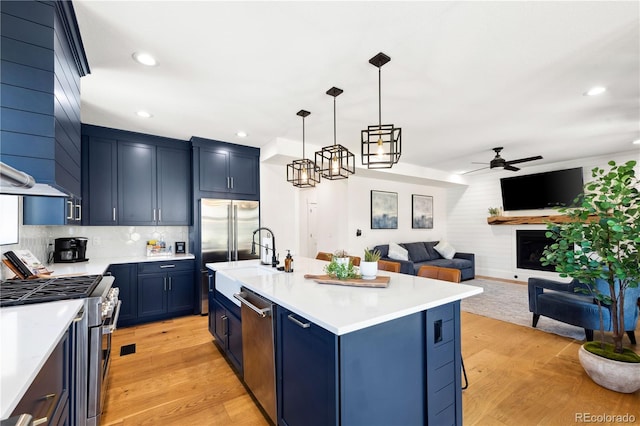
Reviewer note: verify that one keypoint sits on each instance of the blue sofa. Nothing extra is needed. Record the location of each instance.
(559, 301)
(423, 253)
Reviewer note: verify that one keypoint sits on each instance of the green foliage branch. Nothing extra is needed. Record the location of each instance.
(601, 241)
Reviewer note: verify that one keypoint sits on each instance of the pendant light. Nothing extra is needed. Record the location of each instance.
(381, 146)
(335, 161)
(303, 173)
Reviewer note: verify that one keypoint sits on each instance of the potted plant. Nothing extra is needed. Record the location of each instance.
(598, 246)
(341, 256)
(341, 270)
(494, 211)
(369, 267)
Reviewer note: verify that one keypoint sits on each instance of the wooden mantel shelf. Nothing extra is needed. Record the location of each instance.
(526, 220)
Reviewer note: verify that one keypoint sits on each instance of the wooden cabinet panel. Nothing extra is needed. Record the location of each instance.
(101, 180)
(174, 189)
(126, 279)
(136, 184)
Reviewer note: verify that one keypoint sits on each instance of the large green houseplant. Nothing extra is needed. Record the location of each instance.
(600, 241)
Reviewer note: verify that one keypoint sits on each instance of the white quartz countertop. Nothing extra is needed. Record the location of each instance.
(100, 265)
(342, 309)
(28, 336)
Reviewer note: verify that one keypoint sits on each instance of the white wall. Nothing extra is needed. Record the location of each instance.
(494, 245)
(343, 206)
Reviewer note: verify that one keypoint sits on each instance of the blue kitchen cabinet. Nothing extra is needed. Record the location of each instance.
(225, 325)
(225, 170)
(306, 373)
(126, 279)
(404, 371)
(40, 210)
(137, 202)
(165, 290)
(135, 179)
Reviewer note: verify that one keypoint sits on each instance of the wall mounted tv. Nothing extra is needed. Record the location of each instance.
(542, 190)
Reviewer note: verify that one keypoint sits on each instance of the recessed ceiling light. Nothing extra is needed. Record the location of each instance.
(241, 134)
(144, 114)
(636, 142)
(595, 91)
(145, 59)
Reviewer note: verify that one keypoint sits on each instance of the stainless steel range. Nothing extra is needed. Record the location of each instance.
(91, 333)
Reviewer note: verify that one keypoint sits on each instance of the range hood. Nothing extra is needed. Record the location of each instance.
(15, 182)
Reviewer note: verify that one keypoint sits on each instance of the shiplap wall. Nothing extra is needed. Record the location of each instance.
(494, 245)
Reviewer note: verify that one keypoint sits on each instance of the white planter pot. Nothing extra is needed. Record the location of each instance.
(368, 270)
(342, 260)
(614, 375)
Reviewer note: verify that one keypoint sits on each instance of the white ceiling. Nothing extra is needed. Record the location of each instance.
(464, 77)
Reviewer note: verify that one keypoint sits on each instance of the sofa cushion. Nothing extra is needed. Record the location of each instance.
(383, 249)
(417, 251)
(450, 263)
(445, 249)
(398, 253)
(433, 254)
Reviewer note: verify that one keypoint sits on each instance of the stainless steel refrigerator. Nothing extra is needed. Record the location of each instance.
(226, 231)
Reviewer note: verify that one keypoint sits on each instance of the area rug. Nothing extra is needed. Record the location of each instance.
(510, 302)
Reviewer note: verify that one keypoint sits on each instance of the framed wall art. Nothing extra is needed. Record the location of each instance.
(384, 210)
(421, 211)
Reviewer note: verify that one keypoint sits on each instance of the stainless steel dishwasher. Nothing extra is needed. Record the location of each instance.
(258, 354)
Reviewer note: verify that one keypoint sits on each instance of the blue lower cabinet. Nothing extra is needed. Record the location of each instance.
(126, 280)
(401, 372)
(226, 327)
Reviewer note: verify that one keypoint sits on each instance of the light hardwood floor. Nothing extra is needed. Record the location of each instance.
(518, 375)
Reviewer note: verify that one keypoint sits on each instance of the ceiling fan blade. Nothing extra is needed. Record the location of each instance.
(478, 162)
(510, 167)
(476, 170)
(523, 160)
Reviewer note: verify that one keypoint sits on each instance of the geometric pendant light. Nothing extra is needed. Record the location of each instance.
(303, 173)
(335, 161)
(381, 143)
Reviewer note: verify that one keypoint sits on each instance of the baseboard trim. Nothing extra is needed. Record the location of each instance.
(504, 280)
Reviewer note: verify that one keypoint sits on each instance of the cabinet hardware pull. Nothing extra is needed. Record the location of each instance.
(167, 266)
(154, 215)
(70, 210)
(231, 182)
(52, 399)
(298, 322)
(225, 325)
(159, 215)
(114, 214)
(164, 282)
(79, 211)
(262, 312)
(169, 283)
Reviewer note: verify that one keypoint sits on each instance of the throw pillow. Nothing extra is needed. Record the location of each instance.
(445, 249)
(417, 251)
(398, 253)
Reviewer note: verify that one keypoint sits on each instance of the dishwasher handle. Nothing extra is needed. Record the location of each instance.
(242, 298)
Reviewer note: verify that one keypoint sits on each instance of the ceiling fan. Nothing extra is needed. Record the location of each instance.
(498, 161)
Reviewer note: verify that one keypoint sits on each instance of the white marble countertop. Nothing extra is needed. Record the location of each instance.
(343, 309)
(28, 336)
(100, 265)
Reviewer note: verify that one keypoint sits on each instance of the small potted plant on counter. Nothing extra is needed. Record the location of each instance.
(341, 257)
(369, 267)
(340, 269)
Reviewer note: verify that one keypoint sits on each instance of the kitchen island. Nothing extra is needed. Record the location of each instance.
(353, 355)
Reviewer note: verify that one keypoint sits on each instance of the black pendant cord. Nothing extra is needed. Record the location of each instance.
(334, 121)
(303, 156)
(380, 96)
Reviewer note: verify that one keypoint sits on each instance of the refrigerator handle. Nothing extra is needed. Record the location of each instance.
(235, 231)
(229, 232)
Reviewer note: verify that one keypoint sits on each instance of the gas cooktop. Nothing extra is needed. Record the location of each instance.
(22, 292)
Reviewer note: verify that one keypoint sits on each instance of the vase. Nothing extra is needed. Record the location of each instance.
(617, 376)
(342, 260)
(368, 270)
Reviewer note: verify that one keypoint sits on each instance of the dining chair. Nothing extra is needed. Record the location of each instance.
(386, 265)
(324, 256)
(445, 274)
(355, 260)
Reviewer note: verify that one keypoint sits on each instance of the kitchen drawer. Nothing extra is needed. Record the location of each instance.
(165, 266)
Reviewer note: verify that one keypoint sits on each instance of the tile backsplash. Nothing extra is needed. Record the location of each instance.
(104, 241)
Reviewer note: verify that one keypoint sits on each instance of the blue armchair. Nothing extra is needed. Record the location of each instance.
(559, 301)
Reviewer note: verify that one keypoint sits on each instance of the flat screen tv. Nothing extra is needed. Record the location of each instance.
(542, 190)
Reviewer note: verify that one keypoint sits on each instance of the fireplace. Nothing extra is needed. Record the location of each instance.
(529, 247)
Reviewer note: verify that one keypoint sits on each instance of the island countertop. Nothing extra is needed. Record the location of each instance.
(342, 309)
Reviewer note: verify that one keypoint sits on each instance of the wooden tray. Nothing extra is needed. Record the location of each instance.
(380, 281)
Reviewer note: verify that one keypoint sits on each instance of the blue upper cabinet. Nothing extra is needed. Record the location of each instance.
(225, 170)
(41, 62)
(135, 179)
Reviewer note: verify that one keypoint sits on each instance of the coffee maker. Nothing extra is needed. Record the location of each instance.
(68, 250)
